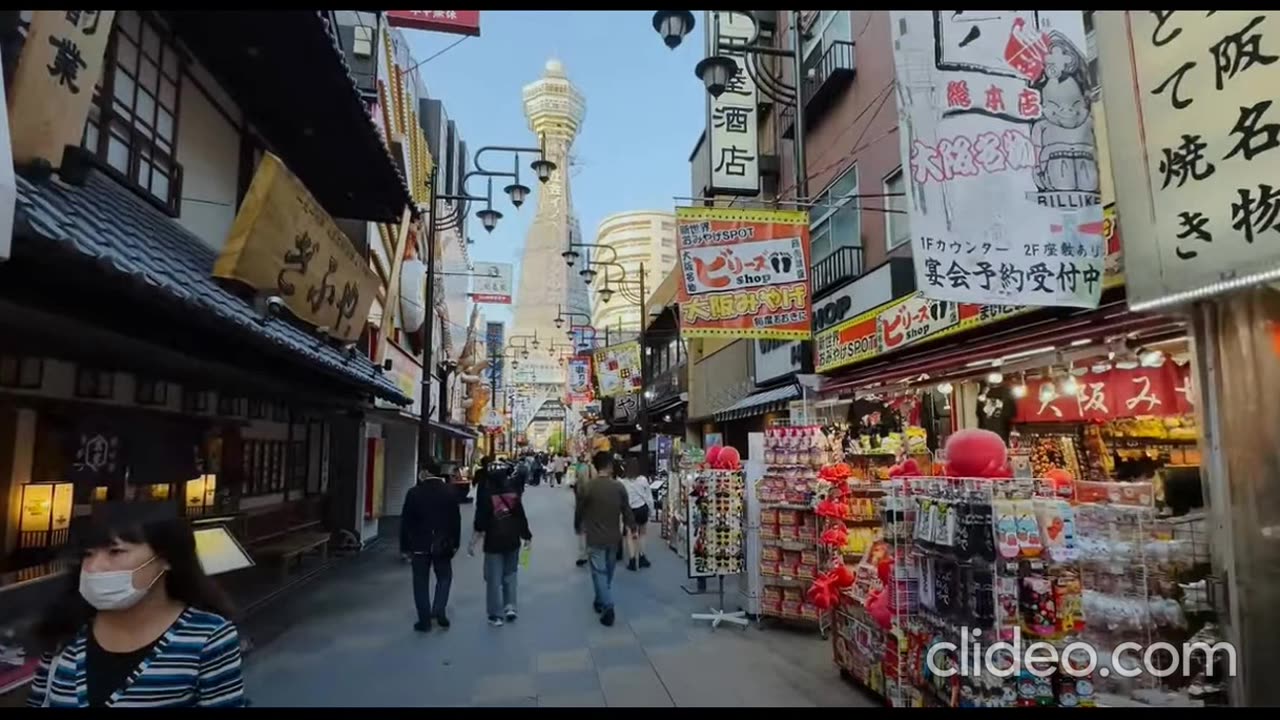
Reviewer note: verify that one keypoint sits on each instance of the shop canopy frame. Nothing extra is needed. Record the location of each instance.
(759, 403)
(981, 353)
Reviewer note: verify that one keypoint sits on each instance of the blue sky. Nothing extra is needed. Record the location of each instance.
(645, 108)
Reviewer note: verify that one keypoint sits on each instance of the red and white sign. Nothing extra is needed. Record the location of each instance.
(1113, 394)
(456, 22)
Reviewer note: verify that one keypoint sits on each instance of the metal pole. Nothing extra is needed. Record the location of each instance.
(644, 377)
(802, 170)
(424, 418)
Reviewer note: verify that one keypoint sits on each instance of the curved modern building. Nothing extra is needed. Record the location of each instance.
(638, 236)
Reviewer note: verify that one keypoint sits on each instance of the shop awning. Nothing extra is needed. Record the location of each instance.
(760, 403)
(135, 246)
(458, 431)
(668, 404)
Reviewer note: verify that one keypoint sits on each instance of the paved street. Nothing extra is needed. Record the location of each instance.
(349, 641)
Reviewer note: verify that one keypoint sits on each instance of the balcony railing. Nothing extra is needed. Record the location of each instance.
(826, 75)
(836, 269)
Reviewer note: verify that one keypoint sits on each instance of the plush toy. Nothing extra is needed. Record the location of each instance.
(830, 509)
(974, 453)
(822, 594)
(878, 609)
(730, 459)
(835, 537)
(841, 576)
(713, 455)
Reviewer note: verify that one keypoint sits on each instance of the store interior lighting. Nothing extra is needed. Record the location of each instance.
(1150, 358)
(995, 377)
(944, 388)
(1048, 393)
(1069, 385)
(1019, 390)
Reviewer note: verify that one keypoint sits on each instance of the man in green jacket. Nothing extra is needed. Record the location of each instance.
(599, 508)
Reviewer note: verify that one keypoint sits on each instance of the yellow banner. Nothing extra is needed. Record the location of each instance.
(53, 85)
(283, 243)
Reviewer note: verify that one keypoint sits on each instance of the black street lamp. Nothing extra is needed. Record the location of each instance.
(718, 68)
(453, 218)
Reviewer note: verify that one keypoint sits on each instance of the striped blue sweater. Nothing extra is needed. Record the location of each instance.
(195, 664)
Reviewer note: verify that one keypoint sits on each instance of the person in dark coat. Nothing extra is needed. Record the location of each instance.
(430, 533)
(501, 524)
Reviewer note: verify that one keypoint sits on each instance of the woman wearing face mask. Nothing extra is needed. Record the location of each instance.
(143, 626)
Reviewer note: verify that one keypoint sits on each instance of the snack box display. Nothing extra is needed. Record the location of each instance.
(769, 531)
(789, 532)
(806, 571)
(788, 517)
(770, 553)
(790, 557)
(809, 611)
(809, 557)
(792, 609)
(772, 594)
(769, 516)
(792, 595)
(1115, 493)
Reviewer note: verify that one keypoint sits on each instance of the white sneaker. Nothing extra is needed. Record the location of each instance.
(496, 621)
(511, 614)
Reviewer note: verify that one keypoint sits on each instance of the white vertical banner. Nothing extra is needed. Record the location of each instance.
(733, 142)
(996, 128)
(491, 283)
(1195, 140)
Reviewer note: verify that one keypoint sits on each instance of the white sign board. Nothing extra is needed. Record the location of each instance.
(733, 143)
(994, 108)
(8, 183)
(1195, 142)
(491, 283)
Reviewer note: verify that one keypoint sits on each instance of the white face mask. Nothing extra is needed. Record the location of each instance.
(114, 590)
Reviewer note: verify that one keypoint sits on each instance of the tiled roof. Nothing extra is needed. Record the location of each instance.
(130, 238)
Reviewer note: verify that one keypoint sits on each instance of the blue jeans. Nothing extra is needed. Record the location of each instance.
(500, 581)
(603, 562)
(423, 565)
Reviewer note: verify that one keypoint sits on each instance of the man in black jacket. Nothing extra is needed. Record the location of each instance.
(431, 532)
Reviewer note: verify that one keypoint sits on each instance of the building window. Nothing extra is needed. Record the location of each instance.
(231, 406)
(133, 121)
(195, 401)
(897, 228)
(257, 410)
(830, 27)
(21, 372)
(837, 220)
(95, 384)
(151, 392)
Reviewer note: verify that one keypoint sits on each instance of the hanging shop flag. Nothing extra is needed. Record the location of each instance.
(491, 283)
(626, 408)
(1194, 142)
(578, 381)
(744, 273)
(733, 141)
(995, 117)
(494, 339)
(53, 83)
(618, 369)
(283, 243)
(454, 22)
(1165, 391)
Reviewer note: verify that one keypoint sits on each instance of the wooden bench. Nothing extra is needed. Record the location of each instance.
(293, 547)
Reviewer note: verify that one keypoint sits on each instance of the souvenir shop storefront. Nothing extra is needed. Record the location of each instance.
(1097, 415)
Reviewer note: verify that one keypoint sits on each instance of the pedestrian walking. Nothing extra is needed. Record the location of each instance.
(430, 534)
(140, 625)
(601, 511)
(500, 524)
(640, 498)
(582, 473)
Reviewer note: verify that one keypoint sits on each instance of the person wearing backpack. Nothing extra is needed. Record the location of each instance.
(430, 534)
(500, 525)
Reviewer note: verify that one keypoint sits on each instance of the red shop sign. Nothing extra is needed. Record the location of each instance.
(456, 22)
(1113, 394)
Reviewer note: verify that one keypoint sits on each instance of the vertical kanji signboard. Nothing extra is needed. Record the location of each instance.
(53, 83)
(733, 140)
(1195, 138)
(744, 273)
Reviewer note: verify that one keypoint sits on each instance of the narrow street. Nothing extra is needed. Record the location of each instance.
(348, 640)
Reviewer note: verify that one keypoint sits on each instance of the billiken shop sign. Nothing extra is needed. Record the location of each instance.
(900, 323)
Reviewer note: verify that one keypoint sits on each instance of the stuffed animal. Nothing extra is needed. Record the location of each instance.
(713, 455)
(974, 453)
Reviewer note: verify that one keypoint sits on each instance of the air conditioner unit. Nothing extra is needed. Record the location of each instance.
(362, 43)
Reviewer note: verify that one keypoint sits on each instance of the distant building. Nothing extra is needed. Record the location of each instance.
(638, 236)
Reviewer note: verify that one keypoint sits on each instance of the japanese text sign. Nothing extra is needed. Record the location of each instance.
(53, 84)
(733, 141)
(1113, 394)
(996, 123)
(578, 380)
(744, 273)
(895, 325)
(491, 283)
(618, 369)
(283, 243)
(406, 373)
(1194, 141)
(456, 22)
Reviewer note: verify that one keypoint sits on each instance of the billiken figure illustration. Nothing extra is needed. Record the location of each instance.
(1063, 136)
